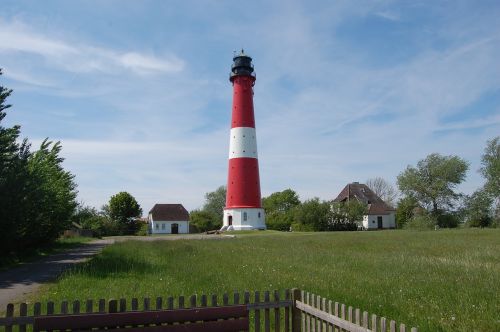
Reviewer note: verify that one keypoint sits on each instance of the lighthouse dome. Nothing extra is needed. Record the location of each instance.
(242, 65)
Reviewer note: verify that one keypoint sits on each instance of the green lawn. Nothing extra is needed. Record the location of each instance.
(447, 280)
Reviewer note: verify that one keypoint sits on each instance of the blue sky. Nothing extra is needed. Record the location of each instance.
(138, 91)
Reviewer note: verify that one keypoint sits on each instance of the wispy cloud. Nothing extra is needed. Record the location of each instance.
(18, 37)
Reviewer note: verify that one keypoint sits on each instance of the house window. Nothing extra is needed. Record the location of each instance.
(157, 226)
(163, 226)
(244, 216)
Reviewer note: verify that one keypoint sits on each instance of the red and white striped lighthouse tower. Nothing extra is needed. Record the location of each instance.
(243, 202)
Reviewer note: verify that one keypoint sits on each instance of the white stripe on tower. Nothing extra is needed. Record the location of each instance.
(243, 143)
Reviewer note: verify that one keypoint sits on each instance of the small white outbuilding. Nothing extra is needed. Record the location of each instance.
(168, 219)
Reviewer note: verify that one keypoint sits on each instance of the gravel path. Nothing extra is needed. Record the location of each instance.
(20, 282)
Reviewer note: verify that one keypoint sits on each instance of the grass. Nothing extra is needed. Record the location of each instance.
(14, 259)
(447, 280)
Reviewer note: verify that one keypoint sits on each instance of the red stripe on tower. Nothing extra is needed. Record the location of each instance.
(243, 201)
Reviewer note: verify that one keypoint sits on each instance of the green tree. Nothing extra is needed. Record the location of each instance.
(279, 207)
(124, 209)
(478, 209)
(52, 195)
(490, 168)
(346, 216)
(312, 215)
(405, 210)
(215, 202)
(204, 221)
(433, 181)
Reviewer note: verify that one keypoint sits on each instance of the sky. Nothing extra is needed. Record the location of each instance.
(138, 91)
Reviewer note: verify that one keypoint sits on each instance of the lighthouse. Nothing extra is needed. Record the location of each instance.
(243, 209)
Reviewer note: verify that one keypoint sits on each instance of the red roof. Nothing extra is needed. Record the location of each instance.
(362, 193)
(169, 212)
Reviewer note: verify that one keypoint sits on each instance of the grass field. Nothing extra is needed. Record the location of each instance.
(447, 280)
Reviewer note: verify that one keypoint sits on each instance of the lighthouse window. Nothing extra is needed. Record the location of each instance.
(259, 214)
(244, 216)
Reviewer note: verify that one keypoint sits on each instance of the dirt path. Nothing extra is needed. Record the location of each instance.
(18, 283)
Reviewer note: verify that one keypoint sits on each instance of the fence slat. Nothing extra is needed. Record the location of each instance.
(342, 313)
(392, 326)
(147, 303)
(37, 310)
(64, 307)
(225, 299)
(203, 300)
(102, 305)
(214, 300)
(357, 315)
(325, 309)
(112, 306)
(277, 315)
(318, 306)
(76, 307)
(236, 298)
(349, 315)
(374, 323)
(287, 311)
(308, 317)
(23, 312)
(303, 316)
(50, 308)
(383, 324)
(170, 303)
(414, 329)
(365, 319)
(257, 312)
(402, 328)
(192, 301)
(297, 320)
(122, 305)
(9, 314)
(246, 297)
(159, 303)
(89, 306)
(267, 325)
(135, 304)
(337, 313)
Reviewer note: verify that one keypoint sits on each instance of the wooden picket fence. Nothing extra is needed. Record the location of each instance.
(291, 310)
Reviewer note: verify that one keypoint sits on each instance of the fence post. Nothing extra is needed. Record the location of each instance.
(296, 313)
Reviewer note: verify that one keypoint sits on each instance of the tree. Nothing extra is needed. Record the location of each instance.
(124, 209)
(383, 189)
(491, 171)
(433, 181)
(405, 210)
(215, 202)
(279, 208)
(478, 209)
(346, 216)
(312, 215)
(203, 220)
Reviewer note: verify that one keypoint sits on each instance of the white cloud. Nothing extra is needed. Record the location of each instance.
(18, 37)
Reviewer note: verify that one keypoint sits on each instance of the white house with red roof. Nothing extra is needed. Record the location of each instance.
(380, 215)
(168, 219)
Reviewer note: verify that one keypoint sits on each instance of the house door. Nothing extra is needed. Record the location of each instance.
(379, 220)
(229, 220)
(175, 229)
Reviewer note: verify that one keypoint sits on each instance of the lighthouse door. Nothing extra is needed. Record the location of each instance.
(229, 220)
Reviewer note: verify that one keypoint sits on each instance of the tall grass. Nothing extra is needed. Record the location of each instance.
(447, 280)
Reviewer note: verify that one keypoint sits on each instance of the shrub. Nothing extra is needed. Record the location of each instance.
(424, 222)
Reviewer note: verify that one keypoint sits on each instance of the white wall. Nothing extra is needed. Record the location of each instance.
(371, 221)
(165, 227)
(255, 218)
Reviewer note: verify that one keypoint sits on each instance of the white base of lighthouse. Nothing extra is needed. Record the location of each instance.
(243, 219)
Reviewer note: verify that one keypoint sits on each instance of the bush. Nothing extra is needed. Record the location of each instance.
(420, 223)
(143, 230)
(447, 220)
